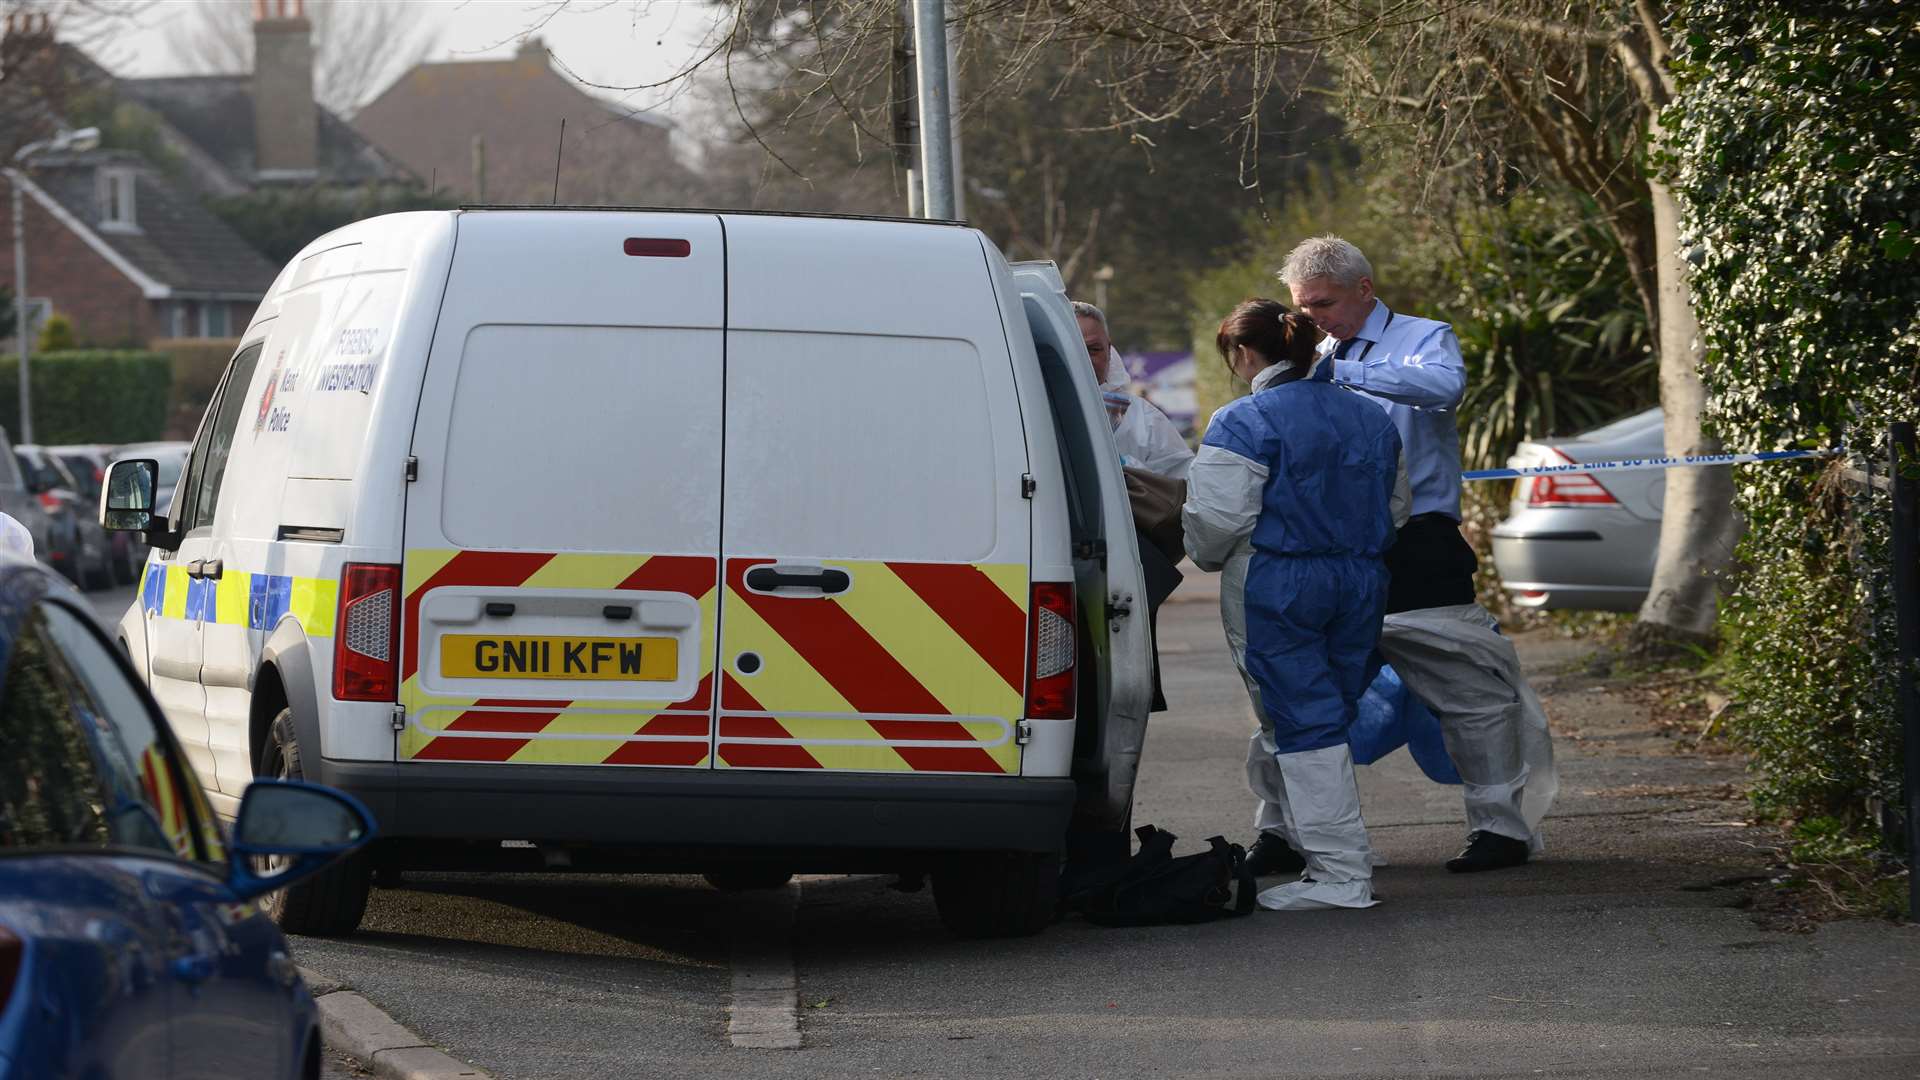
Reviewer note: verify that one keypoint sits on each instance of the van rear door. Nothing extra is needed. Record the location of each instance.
(559, 573)
(876, 537)
(1107, 567)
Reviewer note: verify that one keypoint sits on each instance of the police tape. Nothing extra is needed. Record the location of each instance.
(1645, 464)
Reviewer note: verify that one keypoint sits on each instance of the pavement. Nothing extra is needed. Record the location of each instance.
(1626, 952)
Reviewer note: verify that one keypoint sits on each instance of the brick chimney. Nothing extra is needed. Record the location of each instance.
(285, 120)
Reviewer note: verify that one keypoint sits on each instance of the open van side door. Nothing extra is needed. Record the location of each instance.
(1106, 562)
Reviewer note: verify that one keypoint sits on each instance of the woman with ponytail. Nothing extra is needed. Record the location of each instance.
(1295, 495)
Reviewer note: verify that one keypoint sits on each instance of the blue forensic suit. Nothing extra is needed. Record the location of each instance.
(1295, 495)
(1318, 467)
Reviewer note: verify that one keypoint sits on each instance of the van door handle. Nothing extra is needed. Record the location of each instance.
(769, 578)
(211, 569)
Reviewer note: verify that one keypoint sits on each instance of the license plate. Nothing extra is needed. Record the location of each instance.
(487, 656)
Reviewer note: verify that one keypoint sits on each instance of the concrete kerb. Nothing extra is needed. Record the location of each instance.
(356, 1027)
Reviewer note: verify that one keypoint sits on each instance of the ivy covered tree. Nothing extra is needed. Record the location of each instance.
(1791, 149)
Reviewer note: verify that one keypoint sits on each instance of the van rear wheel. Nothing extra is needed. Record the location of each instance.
(1006, 894)
(330, 903)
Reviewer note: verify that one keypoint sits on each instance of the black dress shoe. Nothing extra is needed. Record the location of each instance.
(1488, 851)
(1273, 855)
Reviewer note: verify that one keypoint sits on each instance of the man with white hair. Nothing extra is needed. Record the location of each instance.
(1412, 368)
(1144, 436)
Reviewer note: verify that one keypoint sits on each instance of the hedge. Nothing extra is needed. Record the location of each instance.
(89, 396)
(1791, 150)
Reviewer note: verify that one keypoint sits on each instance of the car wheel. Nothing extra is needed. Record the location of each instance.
(330, 903)
(1008, 894)
(746, 879)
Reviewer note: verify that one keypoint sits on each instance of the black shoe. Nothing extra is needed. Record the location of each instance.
(1273, 855)
(1488, 851)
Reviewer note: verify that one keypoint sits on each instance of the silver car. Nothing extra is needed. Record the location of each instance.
(1575, 540)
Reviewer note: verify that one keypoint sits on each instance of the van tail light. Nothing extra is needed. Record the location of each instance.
(49, 502)
(1050, 652)
(1568, 489)
(366, 643)
(11, 952)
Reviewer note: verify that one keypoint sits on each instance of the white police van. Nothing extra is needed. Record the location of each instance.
(736, 543)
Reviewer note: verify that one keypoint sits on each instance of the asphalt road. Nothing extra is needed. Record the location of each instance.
(1621, 954)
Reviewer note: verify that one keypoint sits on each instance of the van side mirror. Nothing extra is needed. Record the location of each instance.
(288, 830)
(126, 499)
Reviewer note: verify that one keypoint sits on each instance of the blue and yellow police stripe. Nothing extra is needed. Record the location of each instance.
(240, 598)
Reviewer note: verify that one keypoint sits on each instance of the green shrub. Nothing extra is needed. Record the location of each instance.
(56, 336)
(1790, 148)
(89, 396)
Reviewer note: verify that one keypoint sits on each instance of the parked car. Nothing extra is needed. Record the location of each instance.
(379, 574)
(1576, 540)
(172, 459)
(88, 464)
(20, 503)
(93, 562)
(129, 944)
(52, 488)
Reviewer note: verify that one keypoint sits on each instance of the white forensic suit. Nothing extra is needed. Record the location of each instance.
(1142, 433)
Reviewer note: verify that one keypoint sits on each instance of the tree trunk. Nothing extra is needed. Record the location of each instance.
(1698, 527)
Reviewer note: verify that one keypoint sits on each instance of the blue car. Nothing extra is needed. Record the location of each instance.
(130, 943)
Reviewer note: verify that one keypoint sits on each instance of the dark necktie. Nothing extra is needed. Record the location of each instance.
(1341, 350)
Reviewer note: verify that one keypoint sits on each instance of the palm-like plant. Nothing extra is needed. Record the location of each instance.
(1552, 332)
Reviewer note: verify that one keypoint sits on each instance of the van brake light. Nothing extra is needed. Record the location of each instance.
(657, 247)
(366, 653)
(1050, 652)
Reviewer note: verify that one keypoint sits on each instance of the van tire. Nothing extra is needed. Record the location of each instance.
(1006, 894)
(747, 879)
(331, 902)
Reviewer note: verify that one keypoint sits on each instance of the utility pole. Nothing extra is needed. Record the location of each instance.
(25, 434)
(936, 107)
(479, 168)
(953, 119)
(906, 124)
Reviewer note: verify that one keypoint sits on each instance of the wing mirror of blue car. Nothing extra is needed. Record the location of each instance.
(127, 501)
(288, 830)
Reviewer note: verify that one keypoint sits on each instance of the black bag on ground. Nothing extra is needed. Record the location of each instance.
(1156, 887)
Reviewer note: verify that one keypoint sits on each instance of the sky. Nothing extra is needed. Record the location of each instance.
(611, 42)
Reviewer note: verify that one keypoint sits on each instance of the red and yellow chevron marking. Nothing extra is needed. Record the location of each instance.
(915, 667)
(574, 732)
(168, 800)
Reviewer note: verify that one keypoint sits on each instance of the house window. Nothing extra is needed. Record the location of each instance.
(214, 321)
(115, 187)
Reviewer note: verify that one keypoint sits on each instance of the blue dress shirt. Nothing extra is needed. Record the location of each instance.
(1412, 368)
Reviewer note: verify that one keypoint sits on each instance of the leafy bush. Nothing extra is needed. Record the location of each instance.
(56, 336)
(1791, 150)
(89, 396)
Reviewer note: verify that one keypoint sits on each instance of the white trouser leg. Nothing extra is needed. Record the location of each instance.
(1323, 798)
(1263, 779)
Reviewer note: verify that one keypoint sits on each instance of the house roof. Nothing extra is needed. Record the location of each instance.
(215, 114)
(431, 116)
(175, 243)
